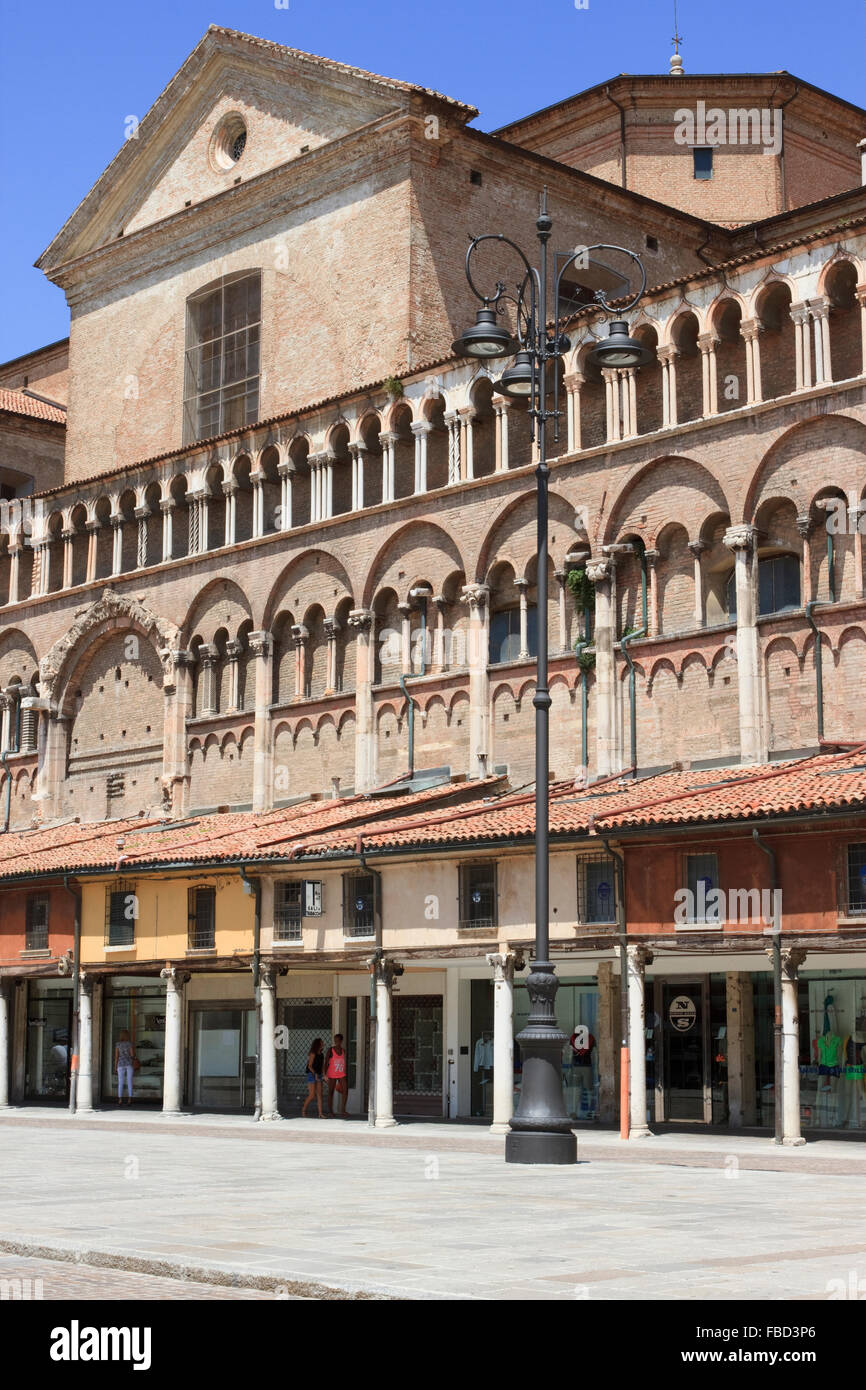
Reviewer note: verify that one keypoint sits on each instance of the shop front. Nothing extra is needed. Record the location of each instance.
(418, 1045)
(300, 1021)
(832, 1010)
(223, 1056)
(134, 1005)
(48, 1047)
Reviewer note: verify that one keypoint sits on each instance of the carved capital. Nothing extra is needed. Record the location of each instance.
(698, 547)
(260, 643)
(477, 596)
(740, 537)
(361, 618)
(300, 634)
(599, 571)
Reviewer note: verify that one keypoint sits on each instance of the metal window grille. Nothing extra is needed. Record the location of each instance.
(478, 897)
(360, 904)
(854, 904)
(596, 890)
(287, 909)
(121, 910)
(702, 877)
(36, 933)
(418, 1045)
(221, 381)
(303, 1021)
(202, 918)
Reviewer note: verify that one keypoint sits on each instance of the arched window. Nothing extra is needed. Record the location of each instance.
(505, 634)
(778, 586)
(221, 370)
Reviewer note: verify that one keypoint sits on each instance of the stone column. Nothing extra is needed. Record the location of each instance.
(792, 959)
(860, 294)
(805, 528)
(208, 655)
(5, 723)
(261, 644)
(668, 358)
(84, 1093)
(172, 1080)
(67, 536)
(697, 548)
(5, 1038)
(740, 1037)
(421, 429)
(405, 611)
(708, 342)
(638, 959)
(230, 493)
(600, 573)
(384, 1076)
(478, 596)
(388, 440)
(819, 308)
(166, 506)
(749, 331)
(357, 451)
(285, 471)
(267, 988)
(361, 619)
(178, 690)
(501, 408)
(609, 1029)
(652, 558)
(522, 587)
(14, 565)
(437, 664)
(452, 423)
(234, 649)
(857, 524)
(141, 516)
(300, 636)
(467, 442)
(741, 539)
(117, 545)
(561, 576)
(503, 965)
(257, 479)
(573, 381)
(332, 628)
(802, 347)
(612, 404)
(41, 571)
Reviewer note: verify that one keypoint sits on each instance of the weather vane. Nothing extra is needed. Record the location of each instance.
(678, 38)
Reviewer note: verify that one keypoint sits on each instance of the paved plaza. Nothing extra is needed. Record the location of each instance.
(319, 1209)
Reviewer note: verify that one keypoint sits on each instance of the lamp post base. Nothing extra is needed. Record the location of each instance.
(534, 1146)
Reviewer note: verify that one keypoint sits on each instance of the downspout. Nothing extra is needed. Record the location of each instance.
(4, 758)
(783, 180)
(619, 862)
(421, 595)
(76, 992)
(622, 160)
(253, 886)
(374, 961)
(579, 650)
(819, 668)
(779, 1077)
(831, 564)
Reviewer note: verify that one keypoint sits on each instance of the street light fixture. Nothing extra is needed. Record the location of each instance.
(541, 1129)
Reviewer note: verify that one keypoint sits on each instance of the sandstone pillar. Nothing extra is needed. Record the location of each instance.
(741, 539)
(503, 964)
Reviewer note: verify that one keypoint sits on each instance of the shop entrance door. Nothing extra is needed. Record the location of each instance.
(418, 1054)
(224, 1059)
(49, 1031)
(687, 1090)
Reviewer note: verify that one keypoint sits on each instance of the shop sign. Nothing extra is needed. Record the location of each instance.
(682, 1013)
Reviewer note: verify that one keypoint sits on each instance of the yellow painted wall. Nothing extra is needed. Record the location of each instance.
(161, 925)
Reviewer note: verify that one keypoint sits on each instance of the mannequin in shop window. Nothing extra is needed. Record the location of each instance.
(829, 1050)
(483, 1063)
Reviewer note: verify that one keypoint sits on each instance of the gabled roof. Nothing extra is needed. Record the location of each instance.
(188, 89)
(35, 407)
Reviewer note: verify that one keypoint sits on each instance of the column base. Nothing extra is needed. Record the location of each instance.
(640, 1132)
(528, 1146)
(793, 1143)
(385, 1122)
(270, 1115)
(171, 1111)
(500, 1129)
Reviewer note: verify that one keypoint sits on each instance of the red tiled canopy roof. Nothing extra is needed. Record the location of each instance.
(20, 403)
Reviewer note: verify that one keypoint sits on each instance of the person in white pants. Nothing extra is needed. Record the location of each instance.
(124, 1065)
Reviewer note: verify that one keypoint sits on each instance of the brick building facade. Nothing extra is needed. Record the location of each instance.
(283, 497)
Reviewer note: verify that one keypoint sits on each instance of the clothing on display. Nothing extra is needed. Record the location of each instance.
(483, 1053)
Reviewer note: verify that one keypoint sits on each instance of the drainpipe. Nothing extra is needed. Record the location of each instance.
(4, 758)
(421, 595)
(623, 646)
(819, 669)
(831, 564)
(579, 650)
(253, 886)
(619, 863)
(622, 160)
(373, 963)
(777, 989)
(76, 990)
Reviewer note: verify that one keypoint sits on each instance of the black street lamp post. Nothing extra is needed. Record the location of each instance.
(541, 1129)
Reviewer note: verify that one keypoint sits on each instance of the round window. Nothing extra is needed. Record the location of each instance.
(229, 142)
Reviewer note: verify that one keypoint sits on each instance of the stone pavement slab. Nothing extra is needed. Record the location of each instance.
(433, 1215)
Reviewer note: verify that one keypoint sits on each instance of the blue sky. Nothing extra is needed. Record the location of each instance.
(70, 74)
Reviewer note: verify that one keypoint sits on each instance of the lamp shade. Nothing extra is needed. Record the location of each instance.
(619, 350)
(486, 338)
(516, 380)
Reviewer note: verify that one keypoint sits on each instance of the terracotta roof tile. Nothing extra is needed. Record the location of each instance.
(21, 403)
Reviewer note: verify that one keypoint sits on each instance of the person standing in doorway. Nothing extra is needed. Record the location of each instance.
(315, 1068)
(124, 1065)
(335, 1071)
